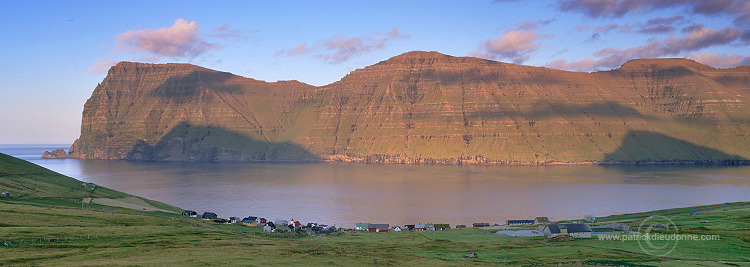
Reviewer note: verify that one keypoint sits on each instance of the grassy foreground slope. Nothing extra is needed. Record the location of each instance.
(32, 184)
(33, 232)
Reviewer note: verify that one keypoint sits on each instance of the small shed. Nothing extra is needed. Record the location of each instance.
(209, 216)
(5, 194)
(576, 230)
(234, 219)
(378, 228)
(481, 224)
(190, 213)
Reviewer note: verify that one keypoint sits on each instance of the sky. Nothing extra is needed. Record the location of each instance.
(54, 53)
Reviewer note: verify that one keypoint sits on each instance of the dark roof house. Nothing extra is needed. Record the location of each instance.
(577, 230)
(190, 213)
(209, 216)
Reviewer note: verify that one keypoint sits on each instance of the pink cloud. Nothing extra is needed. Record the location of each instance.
(719, 61)
(102, 65)
(513, 45)
(179, 40)
(340, 48)
(698, 37)
(300, 49)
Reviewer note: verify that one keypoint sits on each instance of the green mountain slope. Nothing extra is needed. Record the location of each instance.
(30, 183)
(422, 107)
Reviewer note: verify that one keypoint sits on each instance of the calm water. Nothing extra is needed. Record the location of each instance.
(343, 194)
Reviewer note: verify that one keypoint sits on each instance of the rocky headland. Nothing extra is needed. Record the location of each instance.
(424, 108)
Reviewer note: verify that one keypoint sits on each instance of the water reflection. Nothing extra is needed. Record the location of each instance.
(399, 194)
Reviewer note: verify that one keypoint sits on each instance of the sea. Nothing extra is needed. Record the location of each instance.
(343, 194)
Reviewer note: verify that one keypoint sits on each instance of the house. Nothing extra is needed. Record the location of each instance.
(233, 219)
(190, 213)
(268, 229)
(281, 222)
(209, 216)
(520, 222)
(397, 229)
(589, 218)
(541, 220)
(429, 227)
(442, 226)
(378, 228)
(576, 230)
(361, 226)
(481, 224)
(420, 227)
(250, 221)
(262, 220)
(409, 227)
(5, 194)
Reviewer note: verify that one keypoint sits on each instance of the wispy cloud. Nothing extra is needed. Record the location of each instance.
(341, 48)
(102, 65)
(181, 40)
(739, 9)
(697, 37)
(300, 49)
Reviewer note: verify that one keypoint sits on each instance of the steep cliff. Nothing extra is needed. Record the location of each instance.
(424, 107)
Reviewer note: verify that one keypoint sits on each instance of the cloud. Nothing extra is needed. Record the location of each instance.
(652, 26)
(740, 9)
(177, 41)
(224, 31)
(300, 49)
(698, 37)
(513, 45)
(720, 61)
(341, 48)
(102, 65)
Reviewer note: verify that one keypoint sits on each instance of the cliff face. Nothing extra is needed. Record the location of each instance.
(424, 107)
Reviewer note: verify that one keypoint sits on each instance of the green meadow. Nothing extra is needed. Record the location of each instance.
(46, 222)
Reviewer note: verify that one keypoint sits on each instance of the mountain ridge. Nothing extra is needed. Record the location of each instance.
(420, 107)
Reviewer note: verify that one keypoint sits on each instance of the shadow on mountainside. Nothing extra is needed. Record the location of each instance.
(643, 147)
(183, 88)
(187, 142)
(542, 110)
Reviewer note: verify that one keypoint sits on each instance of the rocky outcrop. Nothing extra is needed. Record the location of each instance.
(55, 154)
(425, 108)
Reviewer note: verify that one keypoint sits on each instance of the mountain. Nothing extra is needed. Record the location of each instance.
(424, 107)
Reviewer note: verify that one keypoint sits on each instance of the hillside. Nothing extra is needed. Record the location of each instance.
(424, 107)
(28, 183)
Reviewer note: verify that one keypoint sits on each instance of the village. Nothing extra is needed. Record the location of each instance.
(544, 227)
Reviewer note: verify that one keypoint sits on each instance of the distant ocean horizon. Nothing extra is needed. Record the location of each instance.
(343, 194)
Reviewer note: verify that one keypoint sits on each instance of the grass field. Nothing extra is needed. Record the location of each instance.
(47, 226)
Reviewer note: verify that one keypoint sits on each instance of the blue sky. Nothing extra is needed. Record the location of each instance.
(55, 52)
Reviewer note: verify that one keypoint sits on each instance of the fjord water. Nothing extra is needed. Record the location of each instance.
(344, 194)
